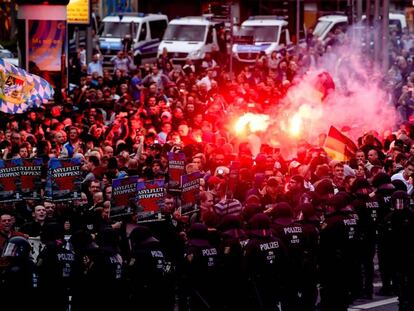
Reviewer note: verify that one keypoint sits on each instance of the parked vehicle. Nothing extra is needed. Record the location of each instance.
(190, 37)
(144, 30)
(330, 23)
(260, 34)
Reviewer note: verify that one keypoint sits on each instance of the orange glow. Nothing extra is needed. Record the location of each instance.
(295, 125)
(254, 122)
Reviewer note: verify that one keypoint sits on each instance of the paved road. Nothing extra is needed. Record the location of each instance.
(377, 304)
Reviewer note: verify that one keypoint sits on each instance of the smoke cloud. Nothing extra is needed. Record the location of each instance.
(359, 100)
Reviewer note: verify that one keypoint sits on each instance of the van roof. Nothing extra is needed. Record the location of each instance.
(336, 18)
(344, 18)
(192, 20)
(265, 21)
(138, 17)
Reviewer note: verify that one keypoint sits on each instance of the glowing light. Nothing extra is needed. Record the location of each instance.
(295, 126)
(254, 122)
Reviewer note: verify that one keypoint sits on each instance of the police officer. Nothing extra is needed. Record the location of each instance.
(55, 268)
(310, 223)
(291, 233)
(105, 274)
(233, 240)
(400, 228)
(18, 281)
(384, 190)
(265, 259)
(147, 273)
(338, 239)
(367, 208)
(200, 270)
(84, 248)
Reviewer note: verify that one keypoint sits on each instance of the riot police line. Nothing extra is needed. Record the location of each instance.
(263, 259)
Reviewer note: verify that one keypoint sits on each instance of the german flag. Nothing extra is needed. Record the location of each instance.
(338, 146)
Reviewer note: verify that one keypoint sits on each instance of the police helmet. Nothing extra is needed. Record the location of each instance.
(198, 231)
(340, 200)
(141, 235)
(18, 247)
(259, 225)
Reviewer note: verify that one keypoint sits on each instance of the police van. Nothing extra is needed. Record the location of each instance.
(190, 37)
(145, 31)
(258, 35)
(330, 23)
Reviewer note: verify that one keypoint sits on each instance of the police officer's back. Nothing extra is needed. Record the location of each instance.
(18, 281)
(55, 268)
(265, 265)
(105, 273)
(146, 273)
(337, 253)
(368, 210)
(384, 190)
(233, 240)
(291, 233)
(200, 270)
(400, 228)
(310, 223)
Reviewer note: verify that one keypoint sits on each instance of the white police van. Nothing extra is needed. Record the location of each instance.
(330, 23)
(145, 30)
(190, 37)
(260, 34)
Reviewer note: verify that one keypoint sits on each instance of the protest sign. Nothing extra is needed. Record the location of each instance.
(190, 192)
(64, 179)
(10, 180)
(30, 178)
(150, 200)
(176, 168)
(124, 192)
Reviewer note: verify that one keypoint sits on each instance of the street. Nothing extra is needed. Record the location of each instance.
(379, 303)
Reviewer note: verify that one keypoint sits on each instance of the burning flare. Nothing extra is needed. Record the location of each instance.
(295, 125)
(254, 122)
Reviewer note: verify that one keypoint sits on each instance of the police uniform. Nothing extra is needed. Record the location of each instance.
(338, 240)
(201, 283)
(265, 259)
(311, 229)
(147, 273)
(292, 235)
(383, 193)
(104, 276)
(55, 270)
(400, 229)
(367, 207)
(18, 280)
(233, 241)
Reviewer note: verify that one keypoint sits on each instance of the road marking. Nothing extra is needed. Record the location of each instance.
(374, 304)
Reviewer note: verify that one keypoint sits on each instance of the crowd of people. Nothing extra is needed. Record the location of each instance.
(290, 231)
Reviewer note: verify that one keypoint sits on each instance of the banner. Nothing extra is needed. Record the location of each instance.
(46, 44)
(176, 168)
(64, 179)
(20, 90)
(150, 200)
(190, 193)
(30, 178)
(124, 192)
(10, 180)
